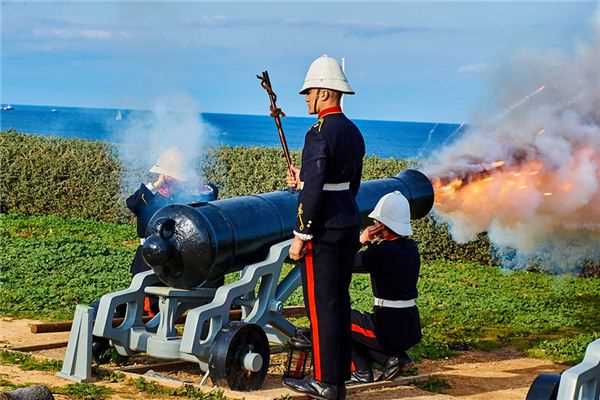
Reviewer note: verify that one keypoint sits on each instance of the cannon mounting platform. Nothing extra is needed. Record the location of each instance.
(235, 353)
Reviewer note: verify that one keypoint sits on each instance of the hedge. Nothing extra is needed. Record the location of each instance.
(81, 179)
(72, 178)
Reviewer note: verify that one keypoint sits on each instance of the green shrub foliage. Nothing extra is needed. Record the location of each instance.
(49, 175)
(82, 179)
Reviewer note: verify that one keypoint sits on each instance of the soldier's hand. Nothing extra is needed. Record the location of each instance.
(371, 233)
(160, 181)
(297, 249)
(293, 177)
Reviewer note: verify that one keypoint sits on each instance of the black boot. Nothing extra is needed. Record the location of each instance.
(361, 376)
(316, 389)
(101, 350)
(395, 365)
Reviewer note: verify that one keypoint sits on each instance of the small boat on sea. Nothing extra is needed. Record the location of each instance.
(119, 116)
(53, 110)
(7, 107)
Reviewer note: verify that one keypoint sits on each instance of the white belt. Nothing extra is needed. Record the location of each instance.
(336, 187)
(395, 303)
(142, 241)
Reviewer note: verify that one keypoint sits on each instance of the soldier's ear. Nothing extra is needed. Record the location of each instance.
(325, 94)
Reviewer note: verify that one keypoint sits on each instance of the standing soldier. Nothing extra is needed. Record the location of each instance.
(327, 229)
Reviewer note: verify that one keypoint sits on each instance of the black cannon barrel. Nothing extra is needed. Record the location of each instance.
(188, 245)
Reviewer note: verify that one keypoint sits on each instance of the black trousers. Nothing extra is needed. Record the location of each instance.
(366, 349)
(138, 264)
(326, 275)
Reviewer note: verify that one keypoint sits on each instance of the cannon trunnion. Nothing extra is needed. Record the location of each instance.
(188, 245)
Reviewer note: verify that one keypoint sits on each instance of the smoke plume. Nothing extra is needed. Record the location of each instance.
(174, 123)
(529, 175)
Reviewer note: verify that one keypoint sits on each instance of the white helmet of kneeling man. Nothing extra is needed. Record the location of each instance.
(393, 210)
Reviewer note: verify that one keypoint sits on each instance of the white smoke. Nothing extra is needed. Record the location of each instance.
(544, 200)
(173, 122)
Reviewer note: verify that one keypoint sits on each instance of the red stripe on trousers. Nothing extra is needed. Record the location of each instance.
(312, 308)
(148, 307)
(363, 331)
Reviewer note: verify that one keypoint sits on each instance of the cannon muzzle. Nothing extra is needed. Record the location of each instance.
(188, 245)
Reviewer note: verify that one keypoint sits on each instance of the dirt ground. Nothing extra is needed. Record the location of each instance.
(472, 375)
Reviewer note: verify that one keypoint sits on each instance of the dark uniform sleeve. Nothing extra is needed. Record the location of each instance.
(142, 203)
(312, 173)
(363, 260)
(355, 182)
(139, 200)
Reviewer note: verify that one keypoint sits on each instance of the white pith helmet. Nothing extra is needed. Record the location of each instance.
(326, 73)
(393, 210)
(171, 163)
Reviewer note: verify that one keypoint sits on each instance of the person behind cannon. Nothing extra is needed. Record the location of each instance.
(172, 185)
(327, 227)
(392, 260)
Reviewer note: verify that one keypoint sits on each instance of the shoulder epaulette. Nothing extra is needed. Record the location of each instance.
(319, 124)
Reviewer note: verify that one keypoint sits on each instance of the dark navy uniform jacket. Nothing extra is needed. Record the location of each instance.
(333, 153)
(394, 267)
(143, 203)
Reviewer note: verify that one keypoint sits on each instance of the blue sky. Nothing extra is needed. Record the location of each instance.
(406, 60)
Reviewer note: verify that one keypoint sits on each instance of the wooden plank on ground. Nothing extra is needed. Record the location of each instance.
(278, 393)
(65, 326)
(163, 366)
(41, 346)
(403, 381)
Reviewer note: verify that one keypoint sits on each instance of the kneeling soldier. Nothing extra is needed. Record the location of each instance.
(392, 259)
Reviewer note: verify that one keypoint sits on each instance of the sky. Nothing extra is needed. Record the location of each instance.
(414, 61)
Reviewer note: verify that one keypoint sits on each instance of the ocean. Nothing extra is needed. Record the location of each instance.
(388, 139)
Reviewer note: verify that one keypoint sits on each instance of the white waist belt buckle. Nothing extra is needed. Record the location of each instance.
(395, 303)
(336, 187)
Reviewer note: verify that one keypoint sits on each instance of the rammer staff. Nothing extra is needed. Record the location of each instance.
(276, 113)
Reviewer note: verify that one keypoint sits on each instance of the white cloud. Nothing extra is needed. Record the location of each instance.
(473, 68)
(62, 33)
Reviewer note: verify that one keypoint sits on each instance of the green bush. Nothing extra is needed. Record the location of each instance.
(68, 177)
(81, 179)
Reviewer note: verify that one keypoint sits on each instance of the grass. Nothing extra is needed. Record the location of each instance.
(75, 391)
(49, 264)
(6, 385)
(28, 363)
(84, 391)
(433, 384)
(186, 391)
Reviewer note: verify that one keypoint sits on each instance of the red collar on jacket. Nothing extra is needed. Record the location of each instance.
(330, 110)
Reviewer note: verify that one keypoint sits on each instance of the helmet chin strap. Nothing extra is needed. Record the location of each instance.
(314, 105)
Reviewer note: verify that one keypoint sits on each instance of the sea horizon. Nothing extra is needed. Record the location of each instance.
(415, 121)
(383, 138)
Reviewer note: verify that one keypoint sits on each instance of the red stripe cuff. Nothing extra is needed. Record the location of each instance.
(365, 332)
